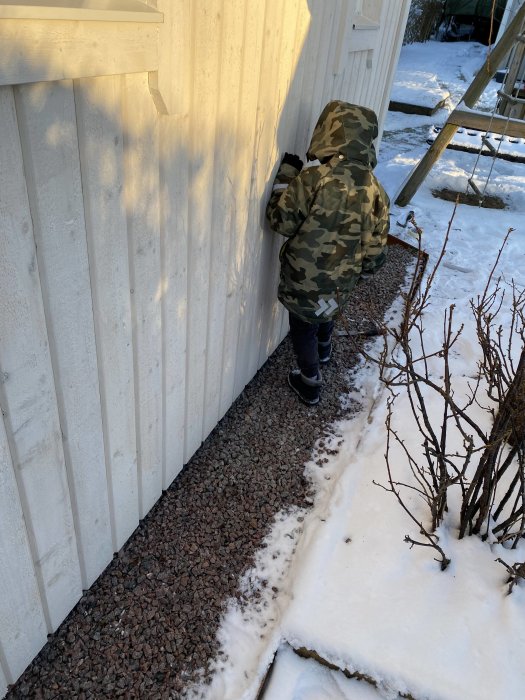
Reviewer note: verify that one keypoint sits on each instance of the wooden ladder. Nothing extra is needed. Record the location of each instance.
(510, 120)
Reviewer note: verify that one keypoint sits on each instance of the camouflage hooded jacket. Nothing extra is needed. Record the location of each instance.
(334, 215)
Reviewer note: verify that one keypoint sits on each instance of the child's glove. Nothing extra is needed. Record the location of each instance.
(293, 160)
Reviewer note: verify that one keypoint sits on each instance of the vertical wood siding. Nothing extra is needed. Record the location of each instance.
(23, 623)
(138, 278)
(29, 391)
(101, 146)
(141, 203)
(57, 211)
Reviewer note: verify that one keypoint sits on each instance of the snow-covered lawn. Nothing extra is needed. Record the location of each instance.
(340, 579)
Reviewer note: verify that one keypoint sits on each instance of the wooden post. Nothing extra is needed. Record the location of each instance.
(483, 121)
(424, 166)
(508, 107)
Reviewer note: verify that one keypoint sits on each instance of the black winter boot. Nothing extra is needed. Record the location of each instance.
(325, 352)
(307, 389)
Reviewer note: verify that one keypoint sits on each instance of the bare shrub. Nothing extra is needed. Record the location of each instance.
(488, 467)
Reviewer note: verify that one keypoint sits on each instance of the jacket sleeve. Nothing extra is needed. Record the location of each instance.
(289, 201)
(374, 241)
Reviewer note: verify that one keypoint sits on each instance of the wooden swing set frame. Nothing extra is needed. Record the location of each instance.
(510, 120)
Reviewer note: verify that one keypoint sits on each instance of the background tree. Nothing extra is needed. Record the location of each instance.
(423, 20)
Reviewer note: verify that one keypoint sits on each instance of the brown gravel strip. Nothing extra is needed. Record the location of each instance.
(148, 624)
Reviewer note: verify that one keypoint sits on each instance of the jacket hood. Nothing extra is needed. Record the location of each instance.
(345, 129)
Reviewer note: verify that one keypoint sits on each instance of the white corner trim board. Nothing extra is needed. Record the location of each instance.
(101, 10)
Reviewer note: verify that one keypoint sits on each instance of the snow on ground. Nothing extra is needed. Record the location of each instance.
(340, 579)
(407, 89)
(302, 679)
(451, 66)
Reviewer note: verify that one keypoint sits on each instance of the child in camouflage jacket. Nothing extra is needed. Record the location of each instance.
(335, 216)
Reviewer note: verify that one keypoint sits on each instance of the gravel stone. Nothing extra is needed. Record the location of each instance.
(147, 627)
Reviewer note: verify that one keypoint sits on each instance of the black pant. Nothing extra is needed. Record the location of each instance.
(305, 339)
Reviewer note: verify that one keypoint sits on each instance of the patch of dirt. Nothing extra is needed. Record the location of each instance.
(488, 201)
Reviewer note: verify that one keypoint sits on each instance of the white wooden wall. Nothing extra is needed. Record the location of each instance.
(138, 279)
